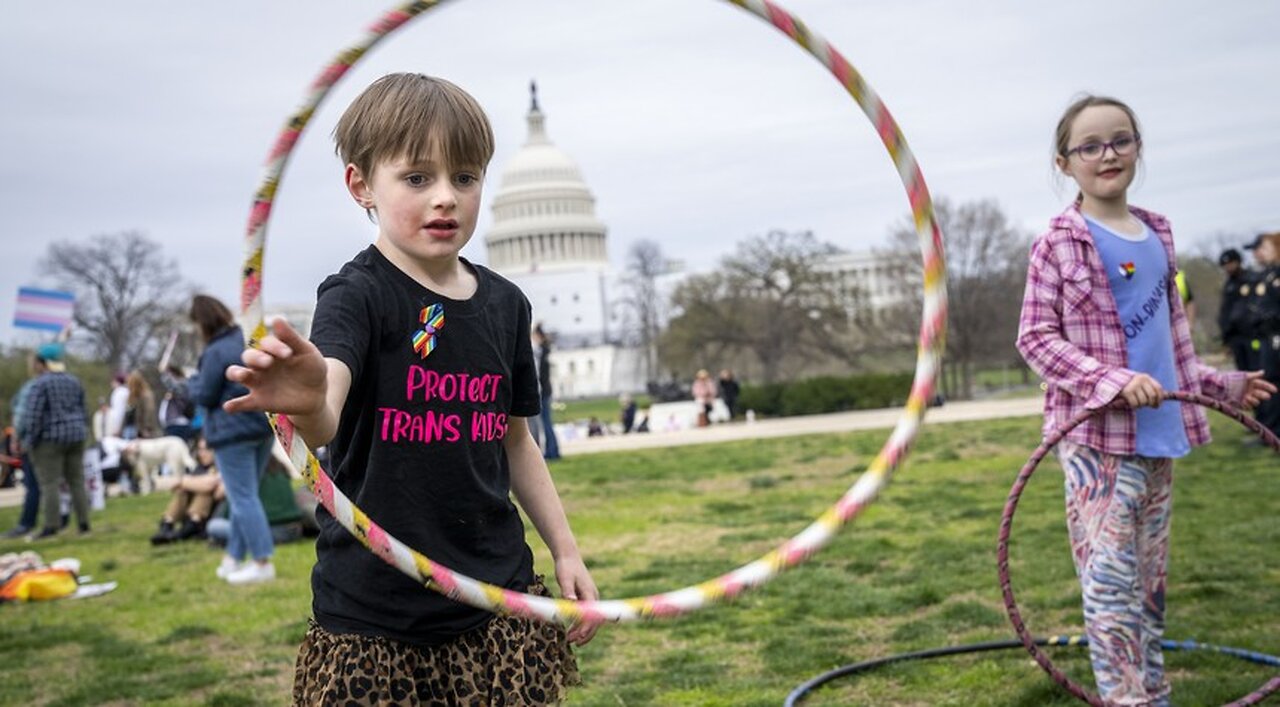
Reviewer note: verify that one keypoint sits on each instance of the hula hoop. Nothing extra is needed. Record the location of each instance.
(485, 596)
(1006, 525)
(797, 695)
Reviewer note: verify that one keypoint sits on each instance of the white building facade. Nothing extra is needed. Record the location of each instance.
(547, 239)
(875, 284)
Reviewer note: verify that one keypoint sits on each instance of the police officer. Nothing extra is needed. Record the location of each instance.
(1264, 309)
(1233, 312)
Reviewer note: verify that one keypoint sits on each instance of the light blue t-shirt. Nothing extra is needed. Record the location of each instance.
(1138, 272)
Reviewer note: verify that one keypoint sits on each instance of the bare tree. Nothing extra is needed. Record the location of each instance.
(128, 295)
(986, 272)
(770, 299)
(640, 301)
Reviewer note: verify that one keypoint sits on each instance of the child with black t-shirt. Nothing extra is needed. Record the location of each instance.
(419, 377)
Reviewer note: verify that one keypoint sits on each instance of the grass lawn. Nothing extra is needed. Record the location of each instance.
(917, 570)
(607, 409)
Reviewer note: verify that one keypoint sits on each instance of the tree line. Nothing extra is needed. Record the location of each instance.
(130, 298)
(773, 309)
(776, 307)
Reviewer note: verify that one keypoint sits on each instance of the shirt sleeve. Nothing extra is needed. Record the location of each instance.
(116, 412)
(19, 406)
(1225, 386)
(525, 401)
(1043, 344)
(342, 325)
(33, 418)
(206, 386)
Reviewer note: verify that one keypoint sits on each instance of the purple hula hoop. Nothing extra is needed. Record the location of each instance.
(1006, 524)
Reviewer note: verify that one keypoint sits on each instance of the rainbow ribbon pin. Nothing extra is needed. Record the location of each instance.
(432, 318)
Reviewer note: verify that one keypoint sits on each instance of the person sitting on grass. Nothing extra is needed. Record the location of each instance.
(279, 501)
(192, 500)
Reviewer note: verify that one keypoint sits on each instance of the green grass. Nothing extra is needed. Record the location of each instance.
(917, 570)
(1009, 377)
(607, 409)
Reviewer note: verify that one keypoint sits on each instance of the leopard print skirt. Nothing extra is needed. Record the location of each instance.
(508, 662)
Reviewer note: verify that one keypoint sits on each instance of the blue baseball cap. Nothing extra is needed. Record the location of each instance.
(52, 355)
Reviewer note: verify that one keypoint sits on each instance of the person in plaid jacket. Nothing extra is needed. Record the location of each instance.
(1102, 324)
(55, 428)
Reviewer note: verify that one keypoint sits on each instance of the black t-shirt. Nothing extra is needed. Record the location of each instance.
(419, 445)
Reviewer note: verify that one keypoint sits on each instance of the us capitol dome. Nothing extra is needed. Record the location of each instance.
(547, 239)
(544, 216)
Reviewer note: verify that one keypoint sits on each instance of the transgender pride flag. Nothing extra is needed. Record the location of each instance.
(48, 310)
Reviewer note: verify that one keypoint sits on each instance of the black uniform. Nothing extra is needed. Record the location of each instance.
(1234, 320)
(1264, 308)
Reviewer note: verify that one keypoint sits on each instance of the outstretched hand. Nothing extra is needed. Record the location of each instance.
(1257, 390)
(576, 584)
(285, 374)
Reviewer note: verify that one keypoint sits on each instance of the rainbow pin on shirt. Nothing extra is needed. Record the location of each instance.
(1127, 270)
(424, 340)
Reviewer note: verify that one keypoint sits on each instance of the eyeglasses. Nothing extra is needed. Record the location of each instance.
(1123, 146)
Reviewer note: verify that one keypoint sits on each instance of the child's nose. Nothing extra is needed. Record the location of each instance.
(444, 197)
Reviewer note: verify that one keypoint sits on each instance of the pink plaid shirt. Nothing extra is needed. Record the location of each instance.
(1070, 334)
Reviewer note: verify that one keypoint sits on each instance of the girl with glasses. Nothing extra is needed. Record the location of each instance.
(1102, 323)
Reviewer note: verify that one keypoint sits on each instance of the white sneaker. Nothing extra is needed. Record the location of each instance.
(227, 566)
(252, 572)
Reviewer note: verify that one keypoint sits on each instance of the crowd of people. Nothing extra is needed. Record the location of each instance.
(703, 391)
(1103, 321)
(216, 461)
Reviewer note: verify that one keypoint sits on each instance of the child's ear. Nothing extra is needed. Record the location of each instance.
(1062, 163)
(358, 186)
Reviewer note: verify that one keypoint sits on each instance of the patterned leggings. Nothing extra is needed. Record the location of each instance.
(1118, 517)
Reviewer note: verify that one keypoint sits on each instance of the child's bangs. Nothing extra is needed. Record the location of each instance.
(450, 133)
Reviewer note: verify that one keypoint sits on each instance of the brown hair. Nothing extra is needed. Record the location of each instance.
(210, 315)
(417, 117)
(1062, 136)
(1273, 238)
(137, 386)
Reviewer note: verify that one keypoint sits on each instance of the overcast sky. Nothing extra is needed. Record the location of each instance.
(695, 123)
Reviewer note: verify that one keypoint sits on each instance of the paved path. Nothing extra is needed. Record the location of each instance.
(805, 424)
(761, 429)
(11, 497)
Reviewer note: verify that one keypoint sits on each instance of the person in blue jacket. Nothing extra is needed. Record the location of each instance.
(241, 443)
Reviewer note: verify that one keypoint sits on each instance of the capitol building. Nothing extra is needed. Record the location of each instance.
(547, 239)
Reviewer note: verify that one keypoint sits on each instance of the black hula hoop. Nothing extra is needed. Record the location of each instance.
(797, 695)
